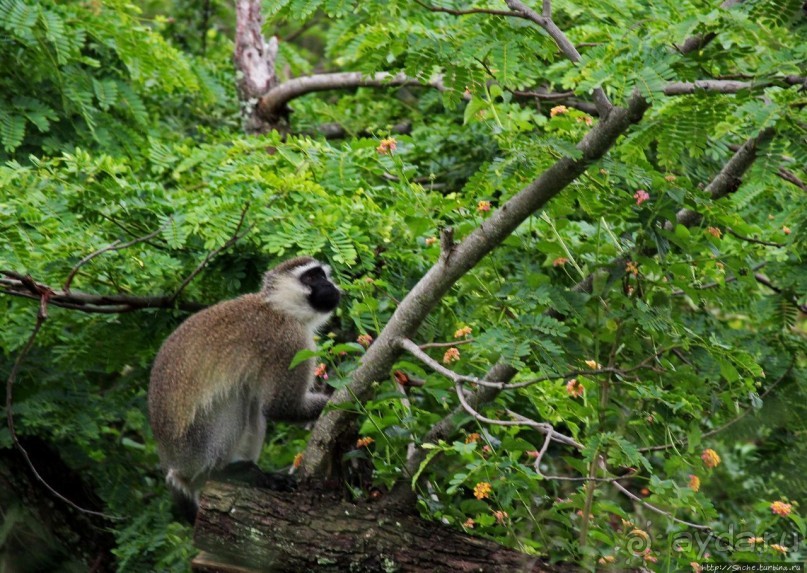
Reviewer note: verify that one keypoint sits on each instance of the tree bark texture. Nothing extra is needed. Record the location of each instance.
(248, 529)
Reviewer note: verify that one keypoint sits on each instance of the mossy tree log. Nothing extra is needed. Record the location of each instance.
(249, 529)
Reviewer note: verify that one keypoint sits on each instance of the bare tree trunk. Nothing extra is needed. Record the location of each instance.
(248, 529)
(254, 59)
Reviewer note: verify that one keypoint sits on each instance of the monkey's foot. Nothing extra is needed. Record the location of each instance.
(248, 473)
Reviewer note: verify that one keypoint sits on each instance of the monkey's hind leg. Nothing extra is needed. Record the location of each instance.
(184, 495)
(183, 507)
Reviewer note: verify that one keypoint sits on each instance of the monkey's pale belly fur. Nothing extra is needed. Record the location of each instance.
(224, 372)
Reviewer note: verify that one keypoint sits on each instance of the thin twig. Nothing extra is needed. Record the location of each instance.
(604, 105)
(446, 243)
(791, 177)
(41, 317)
(763, 280)
(230, 242)
(114, 246)
(543, 95)
(658, 510)
(712, 285)
(734, 233)
(683, 441)
(469, 11)
(445, 344)
(541, 427)
(537, 464)
(26, 287)
(416, 351)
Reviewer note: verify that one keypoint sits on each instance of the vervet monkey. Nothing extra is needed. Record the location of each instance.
(225, 371)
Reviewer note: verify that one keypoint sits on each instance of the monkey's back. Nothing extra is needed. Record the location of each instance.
(223, 349)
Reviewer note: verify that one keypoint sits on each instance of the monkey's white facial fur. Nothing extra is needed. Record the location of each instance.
(305, 292)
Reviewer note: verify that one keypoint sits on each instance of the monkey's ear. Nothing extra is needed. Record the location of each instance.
(269, 279)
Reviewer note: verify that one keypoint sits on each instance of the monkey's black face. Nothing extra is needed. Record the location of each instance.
(324, 295)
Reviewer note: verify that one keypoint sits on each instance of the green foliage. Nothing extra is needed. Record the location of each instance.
(115, 124)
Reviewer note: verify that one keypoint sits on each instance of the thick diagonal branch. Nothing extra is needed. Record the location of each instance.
(376, 364)
(730, 177)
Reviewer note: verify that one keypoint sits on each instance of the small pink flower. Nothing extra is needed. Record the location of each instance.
(574, 388)
(451, 355)
(500, 516)
(321, 371)
(641, 196)
(387, 146)
(781, 508)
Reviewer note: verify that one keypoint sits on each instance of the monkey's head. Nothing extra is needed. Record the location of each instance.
(302, 287)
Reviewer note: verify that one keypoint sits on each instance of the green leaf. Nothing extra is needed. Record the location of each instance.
(302, 356)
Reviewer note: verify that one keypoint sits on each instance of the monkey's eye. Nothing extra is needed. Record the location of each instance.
(312, 276)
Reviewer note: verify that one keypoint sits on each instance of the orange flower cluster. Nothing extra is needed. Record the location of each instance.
(694, 482)
(472, 438)
(364, 442)
(781, 508)
(710, 458)
(483, 206)
(462, 332)
(365, 340)
(558, 110)
(298, 459)
(560, 261)
(321, 371)
(482, 490)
